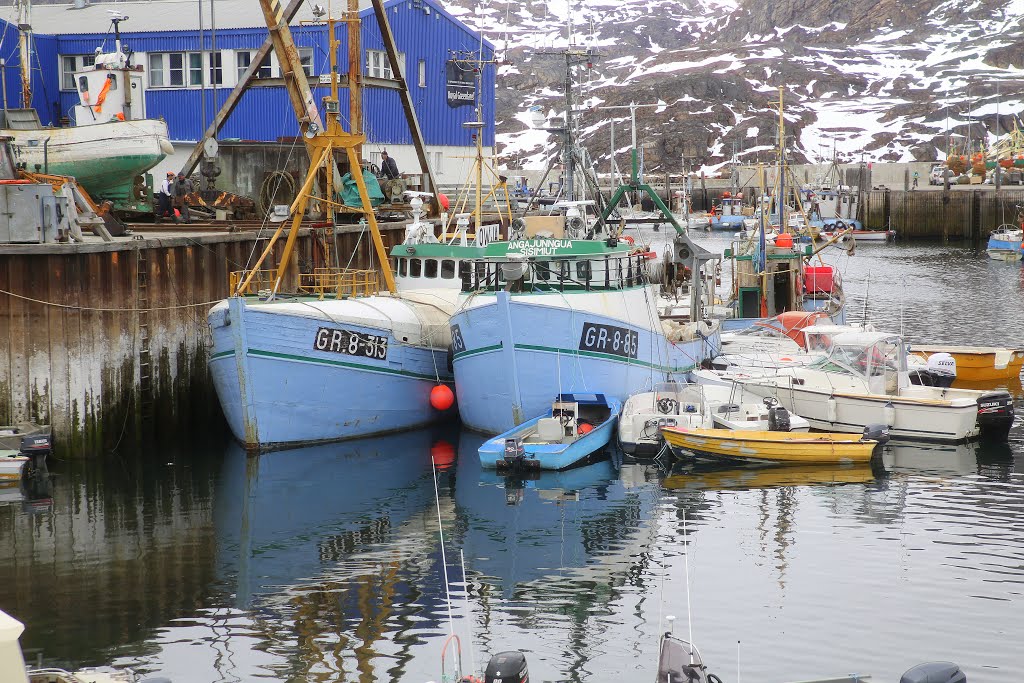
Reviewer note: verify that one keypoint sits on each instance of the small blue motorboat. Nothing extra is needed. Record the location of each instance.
(577, 426)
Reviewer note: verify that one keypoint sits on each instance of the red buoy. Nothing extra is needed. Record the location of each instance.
(442, 198)
(443, 454)
(441, 397)
(585, 428)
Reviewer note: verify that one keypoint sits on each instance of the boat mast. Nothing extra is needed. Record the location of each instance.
(782, 167)
(25, 50)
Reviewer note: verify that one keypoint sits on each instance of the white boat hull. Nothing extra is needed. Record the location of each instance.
(908, 418)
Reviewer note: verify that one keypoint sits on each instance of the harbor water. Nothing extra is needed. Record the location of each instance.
(195, 562)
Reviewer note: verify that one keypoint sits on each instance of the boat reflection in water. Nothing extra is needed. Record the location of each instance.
(520, 529)
(716, 477)
(332, 556)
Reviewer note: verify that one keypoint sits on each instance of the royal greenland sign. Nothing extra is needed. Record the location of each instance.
(460, 83)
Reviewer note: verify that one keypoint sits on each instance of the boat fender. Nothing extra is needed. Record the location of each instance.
(889, 413)
(832, 410)
(584, 427)
(934, 672)
(840, 225)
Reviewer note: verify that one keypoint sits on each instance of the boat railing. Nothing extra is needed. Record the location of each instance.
(339, 283)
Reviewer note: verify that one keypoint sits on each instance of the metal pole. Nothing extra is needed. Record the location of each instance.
(25, 51)
(567, 156)
(202, 76)
(213, 55)
(3, 78)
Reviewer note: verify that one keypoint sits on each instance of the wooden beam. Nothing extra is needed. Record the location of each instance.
(232, 101)
(403, 91)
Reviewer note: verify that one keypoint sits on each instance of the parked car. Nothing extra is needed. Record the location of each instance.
(938, 173)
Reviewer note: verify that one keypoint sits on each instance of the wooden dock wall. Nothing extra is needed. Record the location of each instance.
(960, 214)
(108, 342)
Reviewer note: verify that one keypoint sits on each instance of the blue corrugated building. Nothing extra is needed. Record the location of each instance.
(188, 72)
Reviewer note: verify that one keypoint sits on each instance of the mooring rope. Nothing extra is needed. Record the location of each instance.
(109, 310)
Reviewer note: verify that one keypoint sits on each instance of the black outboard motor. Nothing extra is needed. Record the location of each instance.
(36, 447)
(995, 415)
(778, 419)
(876, 432)
(934, 672)
(507, 667)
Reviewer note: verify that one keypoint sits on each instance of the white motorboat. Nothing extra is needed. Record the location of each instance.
(730, 407)
(864, 380)
(671, 404)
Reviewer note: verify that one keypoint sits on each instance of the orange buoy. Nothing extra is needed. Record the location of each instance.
(443, 454)
(441, 397)
(784, 239)
(585, 428)
(442, 198)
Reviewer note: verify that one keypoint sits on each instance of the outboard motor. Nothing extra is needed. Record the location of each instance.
(507, 667)
(876, 432)
(778, 416)
(778, 419)
(934, 672)
(942, 369)
(995, 415)
(36, 447)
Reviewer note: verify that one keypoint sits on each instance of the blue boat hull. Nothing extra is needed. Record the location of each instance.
(727, 222)
(277, 390)
(512, 364)
(550, 456)
(1005, 249)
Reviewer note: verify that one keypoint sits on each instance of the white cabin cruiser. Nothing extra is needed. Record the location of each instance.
(864, 380)
(671, 404)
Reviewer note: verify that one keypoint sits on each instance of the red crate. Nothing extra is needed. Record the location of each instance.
(818, 279)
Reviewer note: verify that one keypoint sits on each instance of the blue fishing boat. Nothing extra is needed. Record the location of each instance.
(576, 427)
(546, 316)
(1005, 243)
(728, 214)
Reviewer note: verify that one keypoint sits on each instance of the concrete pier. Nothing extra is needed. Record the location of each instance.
(108, 342)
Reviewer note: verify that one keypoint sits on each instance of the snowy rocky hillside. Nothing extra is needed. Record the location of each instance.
(886, 78)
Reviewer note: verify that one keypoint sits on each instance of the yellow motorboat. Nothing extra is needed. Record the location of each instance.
(978, 363)
(777, 447)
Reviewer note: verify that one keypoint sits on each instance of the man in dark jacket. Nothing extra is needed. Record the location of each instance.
(182, 188)
(388, 167)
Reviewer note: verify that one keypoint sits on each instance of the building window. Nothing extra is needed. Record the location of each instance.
(243, 58)
(378, 66)
(306, 57)
(176, 70)
(216, 69)
(195, 68)
(423, 73)
(69, 64)
(437, 162)
(156, 71)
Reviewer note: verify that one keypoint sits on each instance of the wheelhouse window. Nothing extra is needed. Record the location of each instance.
(430, 267)
(415, 267)
(447, 269)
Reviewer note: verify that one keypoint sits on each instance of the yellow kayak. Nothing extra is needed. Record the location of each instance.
(978, 363)
(778, 447)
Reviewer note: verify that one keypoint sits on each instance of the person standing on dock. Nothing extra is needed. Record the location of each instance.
(182, 188)
(916, 177)
(388, 167)
(163, 197)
